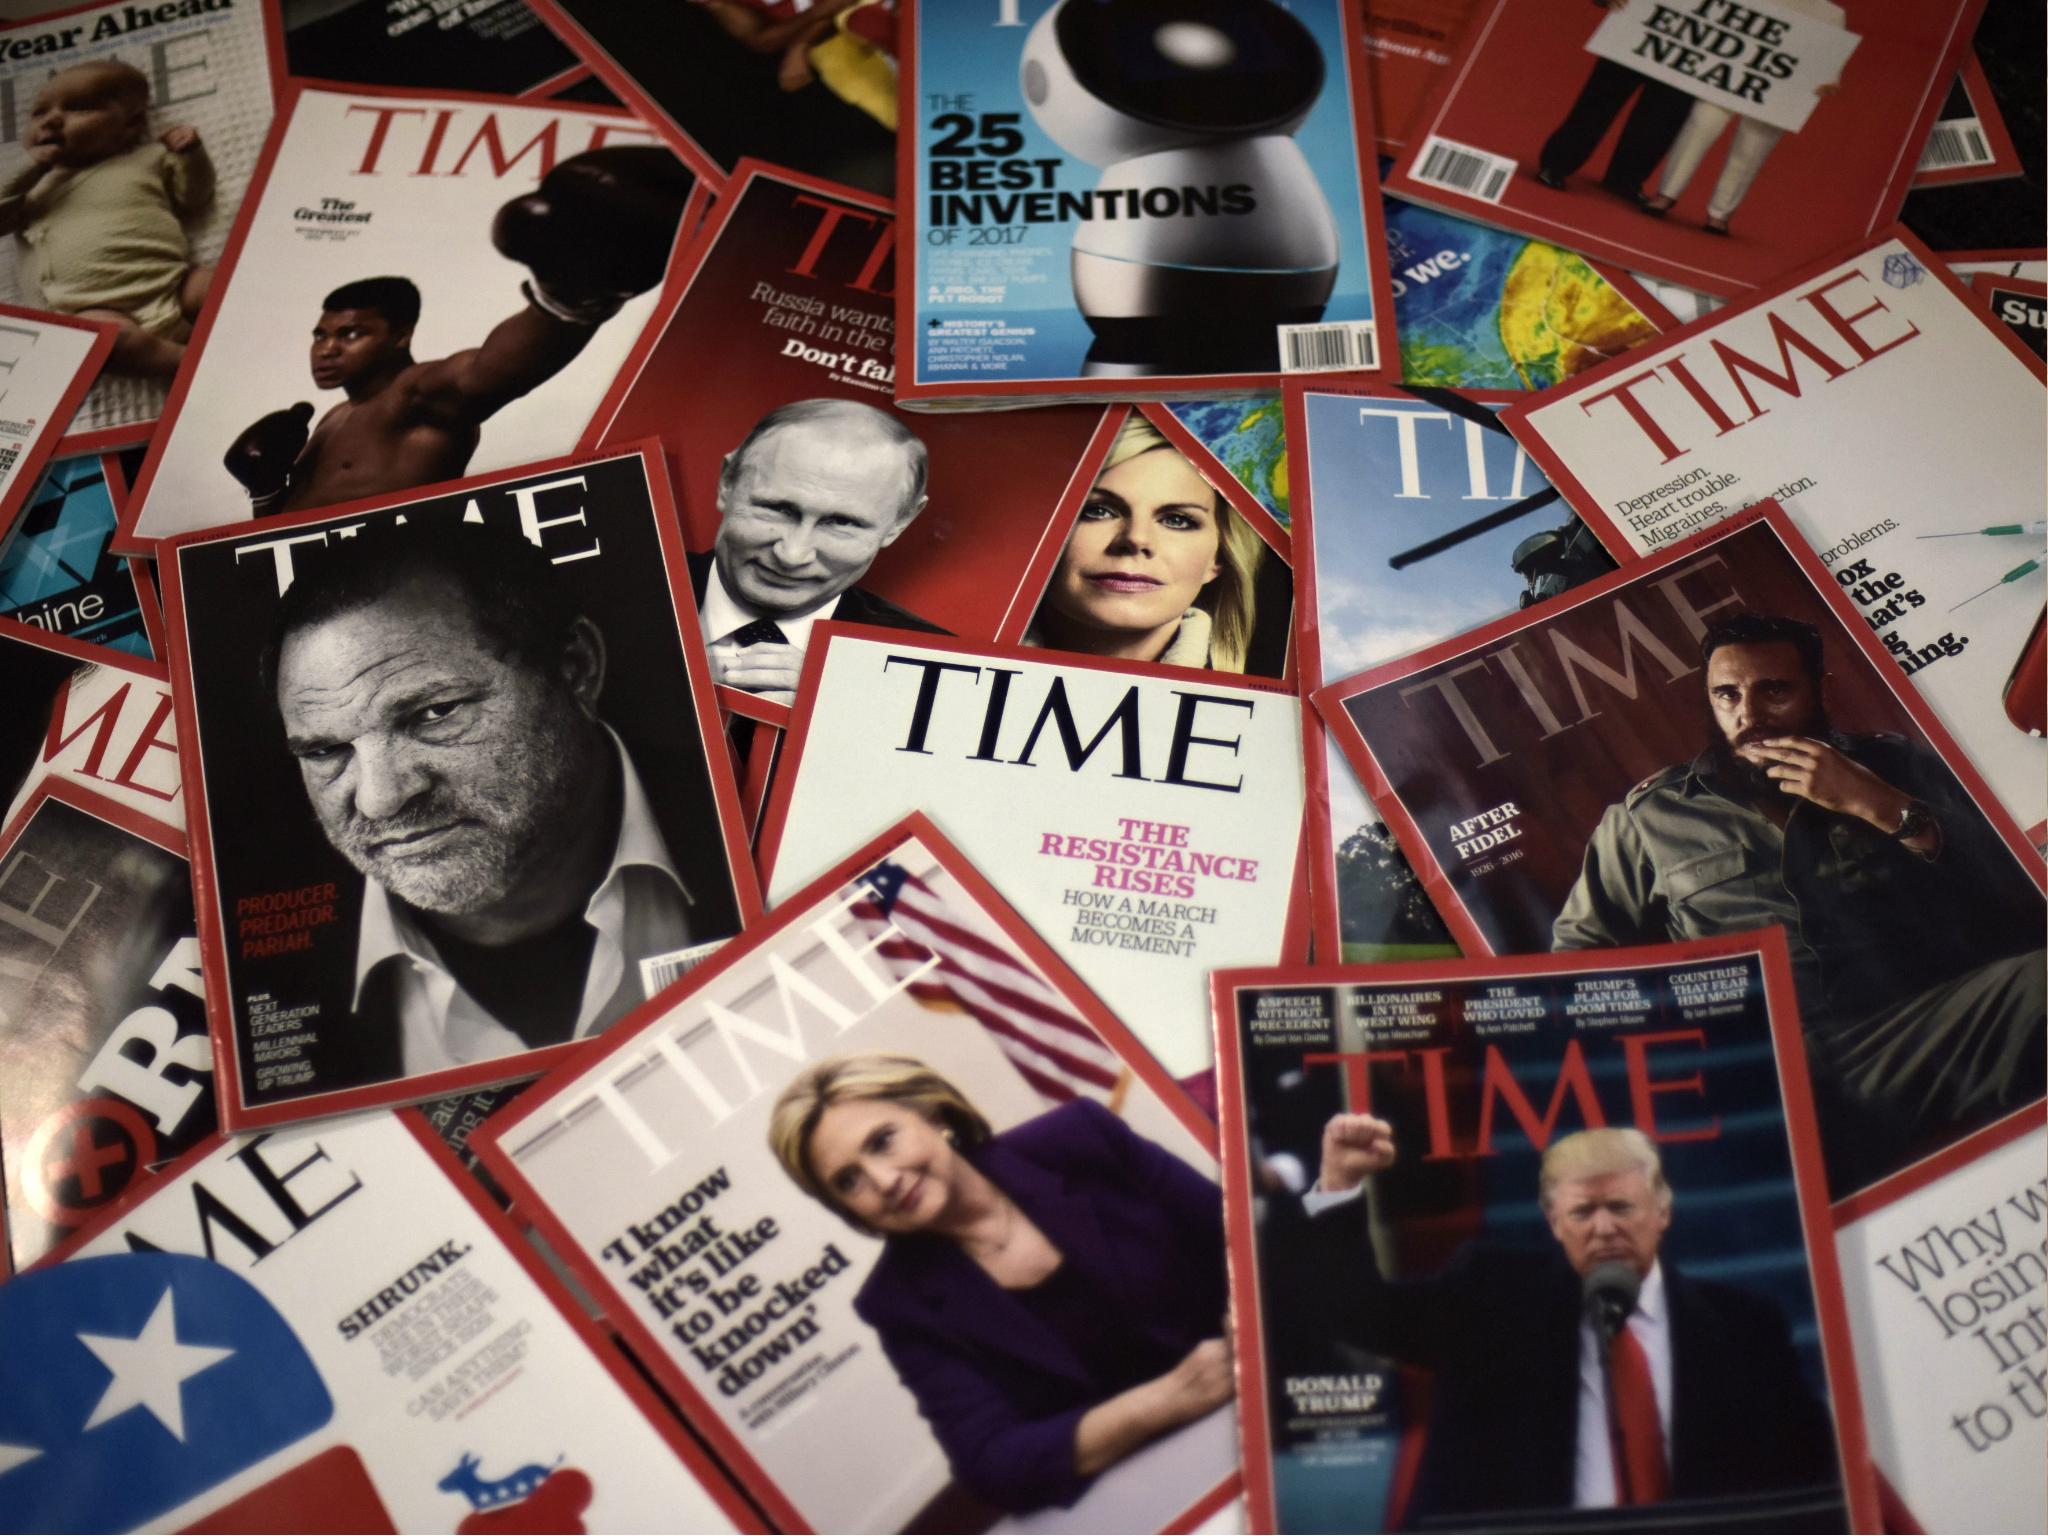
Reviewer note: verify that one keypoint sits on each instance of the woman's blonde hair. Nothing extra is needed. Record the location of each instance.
(863, 1075)
(1232, 598)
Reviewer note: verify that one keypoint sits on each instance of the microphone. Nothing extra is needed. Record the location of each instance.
(1608, 1295)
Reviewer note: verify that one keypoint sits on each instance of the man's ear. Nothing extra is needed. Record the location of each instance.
(583, 664)
(902, 523)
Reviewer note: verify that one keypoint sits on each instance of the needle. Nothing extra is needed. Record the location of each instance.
(1971, 533)
(2012, 575)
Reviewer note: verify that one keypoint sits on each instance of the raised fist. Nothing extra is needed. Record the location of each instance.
(262, 457)
(598, 229)
(1354, 1146)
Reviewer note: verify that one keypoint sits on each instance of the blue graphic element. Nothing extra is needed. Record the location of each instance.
(886, 880)
(1902, 271)
(489, 1492)
(55, 570)
(134, 1382)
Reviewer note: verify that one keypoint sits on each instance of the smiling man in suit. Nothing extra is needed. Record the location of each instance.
(807, 500)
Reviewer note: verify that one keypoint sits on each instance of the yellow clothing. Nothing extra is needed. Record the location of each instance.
(857, 72)
(109, 236)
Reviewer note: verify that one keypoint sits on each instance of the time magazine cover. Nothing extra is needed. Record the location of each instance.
(462, 796)
(47, 363)
(107, 1072)
(1537, 1243)
(1416, 516)
(330, 1324)
(130, 134)
(471, 272)
(499, 46)
(98, 717)
(1102, 205)
(57, 568)
(1711, 739)
(1753, 138)
(805, 492)
(809, 85)
(1819, 393)
(901, 1217)
(1145, 820)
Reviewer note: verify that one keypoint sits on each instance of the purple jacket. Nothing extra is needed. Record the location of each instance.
(1000, 1389)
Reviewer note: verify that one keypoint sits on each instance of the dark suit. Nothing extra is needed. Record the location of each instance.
(856, 605)
(1660, 111)
(1002, 1391)
(1499, 1331)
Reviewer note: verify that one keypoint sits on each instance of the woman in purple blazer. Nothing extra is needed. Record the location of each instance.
(1053, 1296)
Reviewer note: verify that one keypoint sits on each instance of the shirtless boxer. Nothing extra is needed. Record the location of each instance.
(595, 233)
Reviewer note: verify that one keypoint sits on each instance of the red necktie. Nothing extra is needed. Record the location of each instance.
(1639, 1475)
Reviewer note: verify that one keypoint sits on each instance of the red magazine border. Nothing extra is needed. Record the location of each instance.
(236, 1115)
(2005, 155)
(1802, 1133)
(50, 442)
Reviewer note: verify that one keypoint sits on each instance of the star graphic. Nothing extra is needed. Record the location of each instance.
(150, 1369)
(12, 1456)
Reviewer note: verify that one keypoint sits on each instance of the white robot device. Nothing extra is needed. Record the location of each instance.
(1189, 107)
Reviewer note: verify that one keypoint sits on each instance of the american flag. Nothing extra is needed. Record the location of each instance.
(1057, 1051)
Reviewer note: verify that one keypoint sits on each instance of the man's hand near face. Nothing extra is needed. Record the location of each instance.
(1813, 770)
(767, 669)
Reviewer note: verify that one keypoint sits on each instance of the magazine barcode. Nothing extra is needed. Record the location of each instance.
(1328, 348)
(1464, 169)
(1955, 144)
(658, 971)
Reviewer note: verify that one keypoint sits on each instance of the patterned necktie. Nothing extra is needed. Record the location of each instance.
(1638, 1435)
(761, 631)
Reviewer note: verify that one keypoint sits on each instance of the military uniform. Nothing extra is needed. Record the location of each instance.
(1920, 979)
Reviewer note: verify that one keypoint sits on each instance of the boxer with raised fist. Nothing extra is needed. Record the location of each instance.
(596, 232)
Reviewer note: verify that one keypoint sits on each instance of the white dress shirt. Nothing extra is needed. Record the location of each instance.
(1593, 1474)
(721, 614)
(640, 908)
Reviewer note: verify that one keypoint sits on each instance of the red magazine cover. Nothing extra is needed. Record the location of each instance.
(1970, 141)
(1751, 138)
(889, 1203)
(1439, 1286)
(50, 362)
(105, 1071)
(1408, 44)
(454, 278)
(1708, 740)
(470, 804)
(784, 469)
(99, 717)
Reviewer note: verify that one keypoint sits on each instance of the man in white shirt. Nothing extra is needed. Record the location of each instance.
(440, 693)
(807, 500)
(1525, 1348)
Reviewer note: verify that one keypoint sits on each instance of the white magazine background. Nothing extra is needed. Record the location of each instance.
(435, 230)
(1945, 434)
(1919, 1375)
(233, 118)
(850, 1451)
(852, 782)
(46, 362)
(560, 1402)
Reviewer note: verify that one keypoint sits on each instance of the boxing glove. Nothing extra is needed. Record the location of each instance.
(597, 230)
(263, 455)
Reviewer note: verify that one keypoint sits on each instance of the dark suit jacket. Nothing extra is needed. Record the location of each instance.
(1001, 1390)
(1499, 1330)
(857, 605)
